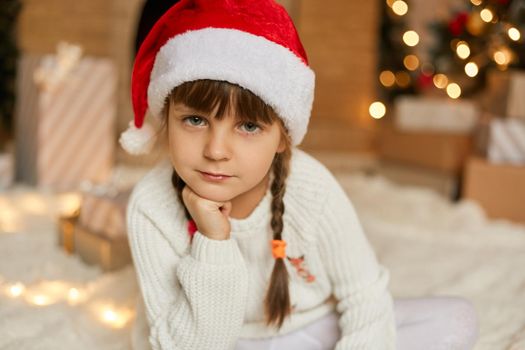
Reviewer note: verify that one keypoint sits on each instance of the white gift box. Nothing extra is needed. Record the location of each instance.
(435, 114)
(105, 214)
(66, 135)
(506, 142)
(504, 93)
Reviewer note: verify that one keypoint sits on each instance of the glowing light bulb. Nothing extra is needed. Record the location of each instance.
(411, 62)
(463, 50)
(400, 7)
(377, 110)
(471, 69)
(514, 34)
(16, 290)
(440, 81)
(486, 15)
(387, 78)
(116, 319)
(453, 90)
(500, 57)
(402, 79)
(40, 300)
(411, 38)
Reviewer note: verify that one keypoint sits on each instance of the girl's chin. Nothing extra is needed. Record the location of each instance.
(213, 194)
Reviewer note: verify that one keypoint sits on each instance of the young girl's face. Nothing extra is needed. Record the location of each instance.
(243, 150)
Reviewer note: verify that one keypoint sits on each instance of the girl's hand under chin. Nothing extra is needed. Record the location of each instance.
(210, 217)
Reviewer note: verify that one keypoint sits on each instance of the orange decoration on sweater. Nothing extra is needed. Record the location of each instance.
(278, 248)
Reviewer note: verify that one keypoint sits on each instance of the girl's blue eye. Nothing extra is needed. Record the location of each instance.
(252, 131)
(195, 121)
(193, 118)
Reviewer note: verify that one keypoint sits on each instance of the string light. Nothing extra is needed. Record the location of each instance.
(400, 7)
(514, 34)
(411, 38)
(486, 15)
(476, 2)
(411, 62)
(377, 110)
(113, 317)
(453, 90)
(387, 78)
(16, 290)
(471, 69)
(402, 79)
(462, 50)
(500, 57)
(440, 81)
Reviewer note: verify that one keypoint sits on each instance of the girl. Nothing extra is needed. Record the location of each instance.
(240, 239)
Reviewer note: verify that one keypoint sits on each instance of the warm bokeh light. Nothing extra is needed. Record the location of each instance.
(73, 296)
(486, 15)
(15, 290)
(411, 38)
(463, 50)
(476, 2)
(471, 69)
(115, 318)
(390, 3)
(440, 81)
(411, 62)
(453, 90)
(400, 7)
(501, 58)
(387, 78)
(402, 79)
(377, 110)
(514, 34)
(40, 300)
(69, 203)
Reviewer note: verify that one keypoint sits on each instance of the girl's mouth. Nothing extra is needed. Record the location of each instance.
(212, 177)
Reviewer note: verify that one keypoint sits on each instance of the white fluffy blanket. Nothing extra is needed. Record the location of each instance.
(431, 246)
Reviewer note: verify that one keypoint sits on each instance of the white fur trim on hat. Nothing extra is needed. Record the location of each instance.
(138, 141)
(271, 71)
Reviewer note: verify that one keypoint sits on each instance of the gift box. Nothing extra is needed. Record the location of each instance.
(503, 95)
(94, 248)
(414, 113)
(438, 151)
(66, 232)
(105, 211)
(506, 143)
(6, 170)
(498, 188)
(65, 129)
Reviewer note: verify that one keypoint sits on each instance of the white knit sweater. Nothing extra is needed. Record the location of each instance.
(208, 293)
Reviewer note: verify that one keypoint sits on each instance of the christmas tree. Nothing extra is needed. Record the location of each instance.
(481, 35)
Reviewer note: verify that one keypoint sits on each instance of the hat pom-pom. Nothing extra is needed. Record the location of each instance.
(138, 141)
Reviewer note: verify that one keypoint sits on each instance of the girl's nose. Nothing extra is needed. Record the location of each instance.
(217, 146)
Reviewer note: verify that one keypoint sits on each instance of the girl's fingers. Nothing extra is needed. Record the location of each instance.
(226, 208)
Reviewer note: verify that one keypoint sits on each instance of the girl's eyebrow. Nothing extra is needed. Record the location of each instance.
(187, 109)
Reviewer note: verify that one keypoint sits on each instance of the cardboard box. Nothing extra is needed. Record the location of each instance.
(108, 253)
(445, 152)
(498, 188)
(66, 232)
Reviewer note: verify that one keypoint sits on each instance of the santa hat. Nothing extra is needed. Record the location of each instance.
(253, 44)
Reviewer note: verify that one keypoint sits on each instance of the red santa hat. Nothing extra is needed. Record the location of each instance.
(250, 43)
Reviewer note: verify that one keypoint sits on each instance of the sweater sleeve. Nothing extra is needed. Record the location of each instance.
(358, 281)
(195, 301)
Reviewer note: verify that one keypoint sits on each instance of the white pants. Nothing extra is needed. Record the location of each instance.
(432, 323)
